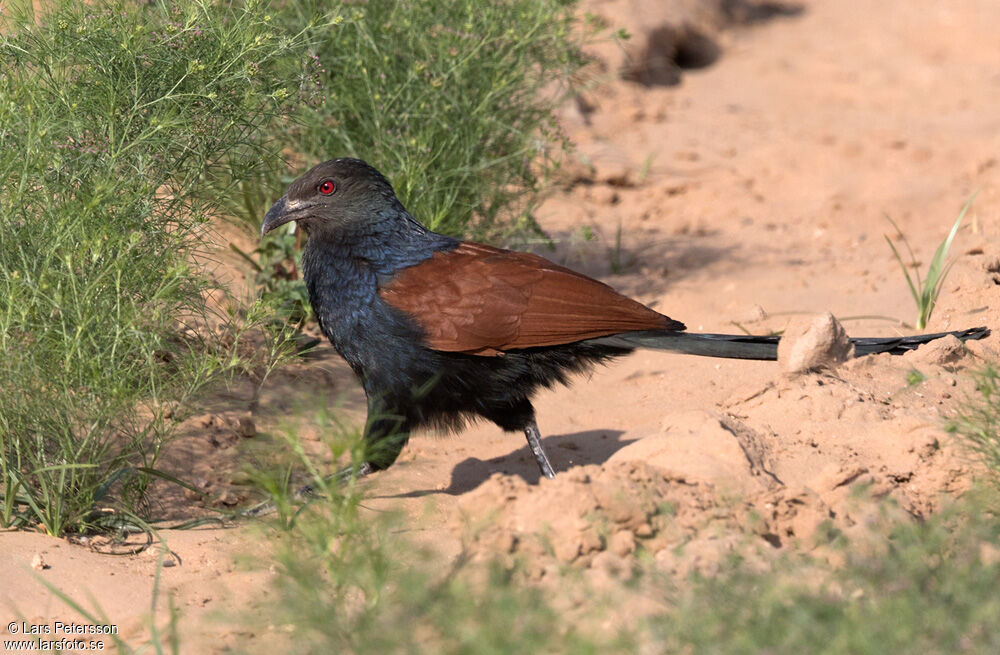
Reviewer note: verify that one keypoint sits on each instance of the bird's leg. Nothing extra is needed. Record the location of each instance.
(520, 415)
(385, 435)
(344, 475)
(383, 443)
(384, 440)
(535, 443)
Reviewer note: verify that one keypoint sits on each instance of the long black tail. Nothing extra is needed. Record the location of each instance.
(737, 346)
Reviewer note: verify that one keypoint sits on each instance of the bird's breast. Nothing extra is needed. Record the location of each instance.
(374, 339)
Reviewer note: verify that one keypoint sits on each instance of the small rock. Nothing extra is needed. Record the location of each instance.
(619, 507)
(227, 498)
(810, 345)
(246, 428)
(506, 542)
(171, 410)
(567, 549)
(38, 562)
(622, 543)
(666, 560)
(644, 530)
(241, 479)
(572, 171)
(979, 349)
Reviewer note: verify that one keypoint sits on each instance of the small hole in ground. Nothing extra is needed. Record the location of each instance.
(668, 51)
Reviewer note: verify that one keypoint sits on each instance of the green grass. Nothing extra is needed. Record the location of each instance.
(452, 99)
(349, 580)
(126, 126)
(977, 420)
(914, 377)
(926, 290)
(113, 117)
(919, 587)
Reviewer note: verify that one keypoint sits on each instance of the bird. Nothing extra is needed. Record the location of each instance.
(441, 331)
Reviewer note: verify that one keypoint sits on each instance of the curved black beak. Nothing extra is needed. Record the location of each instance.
(284, 211)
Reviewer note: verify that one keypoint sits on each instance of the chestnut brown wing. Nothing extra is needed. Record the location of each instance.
(482, 300)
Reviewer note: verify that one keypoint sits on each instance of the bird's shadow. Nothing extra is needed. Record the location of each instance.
(565, 451)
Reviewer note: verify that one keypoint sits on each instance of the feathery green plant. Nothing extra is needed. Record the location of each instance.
(112, 117)
(453, 100)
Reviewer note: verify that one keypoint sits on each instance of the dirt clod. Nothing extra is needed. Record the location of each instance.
(247, 428)
(939, 352)
(813, 344)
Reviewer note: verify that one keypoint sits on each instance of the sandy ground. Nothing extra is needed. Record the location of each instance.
(752, 191)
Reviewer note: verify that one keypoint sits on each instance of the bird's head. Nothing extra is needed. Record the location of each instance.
(338, 194)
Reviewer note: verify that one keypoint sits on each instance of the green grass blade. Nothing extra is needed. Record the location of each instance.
(156, 473)
(926, 292)
(937, 271)
(906, 273)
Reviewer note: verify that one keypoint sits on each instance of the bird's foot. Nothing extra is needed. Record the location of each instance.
(535, 443)
(341, 477)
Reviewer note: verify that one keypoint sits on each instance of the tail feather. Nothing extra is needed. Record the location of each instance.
(741, 346)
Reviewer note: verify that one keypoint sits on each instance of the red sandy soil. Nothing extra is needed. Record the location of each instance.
(754, 190)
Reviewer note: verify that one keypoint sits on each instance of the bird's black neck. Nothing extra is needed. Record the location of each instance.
(343, 271)
(392, 240)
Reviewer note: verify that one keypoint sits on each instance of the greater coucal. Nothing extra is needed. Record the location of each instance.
(440, 330)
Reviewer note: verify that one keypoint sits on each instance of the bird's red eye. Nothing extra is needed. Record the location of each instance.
(326, 187)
